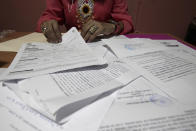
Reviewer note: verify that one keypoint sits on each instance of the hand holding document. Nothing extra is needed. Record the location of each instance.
(37, 58)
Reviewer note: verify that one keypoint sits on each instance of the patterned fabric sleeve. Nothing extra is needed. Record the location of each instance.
(120, 13)
(54, 10)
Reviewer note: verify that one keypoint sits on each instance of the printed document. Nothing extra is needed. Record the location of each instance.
(38, 58)
(130, 47)
(142, 106)
(172, 70)
(90, 117)
(15, 115)
(60, 94)
(101, 50)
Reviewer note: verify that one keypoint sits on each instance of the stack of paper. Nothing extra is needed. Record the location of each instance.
(59, 79)
(35, 59)
(115, 84)
(16, 115)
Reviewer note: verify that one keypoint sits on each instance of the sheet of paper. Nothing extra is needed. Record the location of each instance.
(172, 70)
(15, 115)
(91, 116)
(2, 70)
(142, 106)
(15, 44)
(100, 50)
(179, 46)
(130, 47)
(72, 90)
(14, 122)
(1, 84)
(38, 58)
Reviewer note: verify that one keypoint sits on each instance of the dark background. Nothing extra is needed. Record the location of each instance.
(149, 16)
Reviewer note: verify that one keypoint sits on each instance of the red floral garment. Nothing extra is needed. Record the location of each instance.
(67, 13)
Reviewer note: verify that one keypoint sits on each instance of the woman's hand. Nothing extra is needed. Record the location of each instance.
(51, 31)
(93, 28)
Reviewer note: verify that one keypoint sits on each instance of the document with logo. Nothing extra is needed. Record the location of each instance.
(172, 70)
(130, 47)
(35, 59)
(142, 106)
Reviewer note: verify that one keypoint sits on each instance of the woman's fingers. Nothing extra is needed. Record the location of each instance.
(51, 31)
(57, 31)
(86, 28)
(95, 34)
(50, 34)
(91, 30)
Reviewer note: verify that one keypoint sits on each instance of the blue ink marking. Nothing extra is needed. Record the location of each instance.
(128, 47)
(160, 100)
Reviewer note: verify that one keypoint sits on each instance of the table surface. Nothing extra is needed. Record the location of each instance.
(7, 57)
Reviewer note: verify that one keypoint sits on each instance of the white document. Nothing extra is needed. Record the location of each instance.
(90, 117)
(101, 50)
(130, 47)
(180, 47)
(172, 70)
(2, 70)
(61, 94)
(169, 43)
(38, 58)
(142, 106)
(15, 115)
(10, 121)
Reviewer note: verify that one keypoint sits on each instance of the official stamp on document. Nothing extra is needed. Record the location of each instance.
(160, 100)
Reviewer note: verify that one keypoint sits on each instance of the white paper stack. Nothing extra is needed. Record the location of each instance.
(114, 84)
